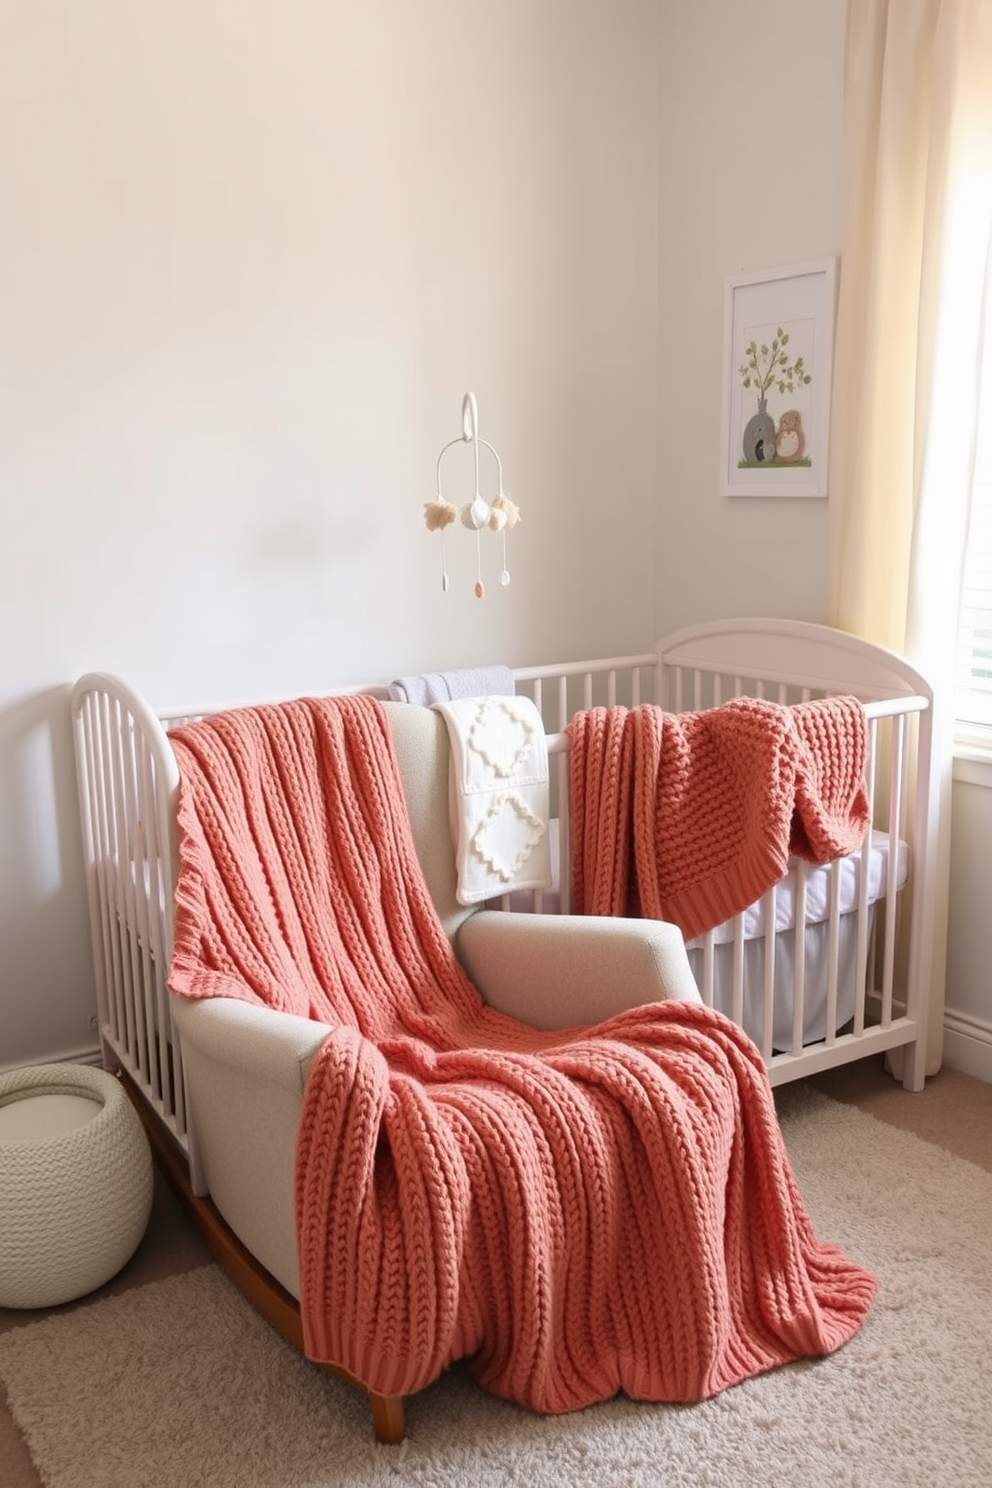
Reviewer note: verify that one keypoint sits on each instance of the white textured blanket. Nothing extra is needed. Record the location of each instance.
(500, 799)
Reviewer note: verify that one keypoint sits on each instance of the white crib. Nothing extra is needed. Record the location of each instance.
(830, 966)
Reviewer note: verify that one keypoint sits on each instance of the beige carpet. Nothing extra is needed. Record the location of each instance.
(175, 1380)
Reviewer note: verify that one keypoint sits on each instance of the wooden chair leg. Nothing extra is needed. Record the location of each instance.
(388, 1417)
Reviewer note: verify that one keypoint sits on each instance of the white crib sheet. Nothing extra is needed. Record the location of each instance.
(818, 880)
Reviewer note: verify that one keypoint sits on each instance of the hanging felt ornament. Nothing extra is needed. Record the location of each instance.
(477, 514)
(505, 510)
(439, 514)
(503, 517)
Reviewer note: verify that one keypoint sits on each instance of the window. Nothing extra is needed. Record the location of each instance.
(974, 673)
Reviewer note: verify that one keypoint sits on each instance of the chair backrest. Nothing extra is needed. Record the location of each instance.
(423, 754)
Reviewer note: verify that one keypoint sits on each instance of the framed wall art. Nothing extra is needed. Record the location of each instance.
(778, 360)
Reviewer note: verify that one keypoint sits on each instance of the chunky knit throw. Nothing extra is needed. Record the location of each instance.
(575, 1213)
(691, 817)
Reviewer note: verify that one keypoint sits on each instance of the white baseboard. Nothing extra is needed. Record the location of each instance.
(87, 1054)
(968, 1044)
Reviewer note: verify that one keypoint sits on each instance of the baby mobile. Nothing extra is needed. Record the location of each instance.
(499, 515)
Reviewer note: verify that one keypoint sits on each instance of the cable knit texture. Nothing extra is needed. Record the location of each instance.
(691, 817)
(577, 1213)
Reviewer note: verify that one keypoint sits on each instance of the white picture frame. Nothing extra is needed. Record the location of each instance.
(778, 363)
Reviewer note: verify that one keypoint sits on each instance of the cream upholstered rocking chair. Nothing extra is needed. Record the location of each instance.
(246, 1066)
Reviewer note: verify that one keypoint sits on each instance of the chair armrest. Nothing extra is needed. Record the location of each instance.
(257, 1042)
(557, 971)
(246, 1068)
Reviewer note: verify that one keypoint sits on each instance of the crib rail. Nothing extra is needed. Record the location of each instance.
(561, 691)
(128, 780)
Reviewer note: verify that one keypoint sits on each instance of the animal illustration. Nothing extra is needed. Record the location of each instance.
(790, 441)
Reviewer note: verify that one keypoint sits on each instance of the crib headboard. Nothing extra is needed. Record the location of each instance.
(798, 656)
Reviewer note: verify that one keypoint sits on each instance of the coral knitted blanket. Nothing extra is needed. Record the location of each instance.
(575, 1213)
(691, 817)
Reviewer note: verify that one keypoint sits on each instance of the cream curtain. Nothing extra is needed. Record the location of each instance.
(914, 284)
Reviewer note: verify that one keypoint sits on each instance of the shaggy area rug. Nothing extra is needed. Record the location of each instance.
(179, 1383)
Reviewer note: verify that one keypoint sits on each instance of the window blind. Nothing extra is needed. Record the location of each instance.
(974, 667)
(974, 678)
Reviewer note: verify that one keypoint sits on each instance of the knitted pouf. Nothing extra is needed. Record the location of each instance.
(75, 1182)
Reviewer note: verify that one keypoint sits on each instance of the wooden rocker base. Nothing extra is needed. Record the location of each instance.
(260, 1288)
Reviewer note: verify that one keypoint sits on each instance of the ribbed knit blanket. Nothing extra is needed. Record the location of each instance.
(576, 1213)
(691, 817)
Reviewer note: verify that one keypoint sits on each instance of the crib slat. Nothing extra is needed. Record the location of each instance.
(707, 988)
(737, 978)
(833, 953)
(163, 1080)
(136, 917)
(95, 836)
(896, 768)
(117, 963)
(557, 751)
(863, 912)
(799, 971)
(768, 999)
(127, 866)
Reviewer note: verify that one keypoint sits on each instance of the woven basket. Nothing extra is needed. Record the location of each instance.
(74, 1204)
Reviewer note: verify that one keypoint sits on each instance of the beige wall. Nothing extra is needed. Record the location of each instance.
(255, 253)
(751, 177)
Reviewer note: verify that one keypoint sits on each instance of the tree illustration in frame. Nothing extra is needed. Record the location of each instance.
(778, 342)
(770, 367)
